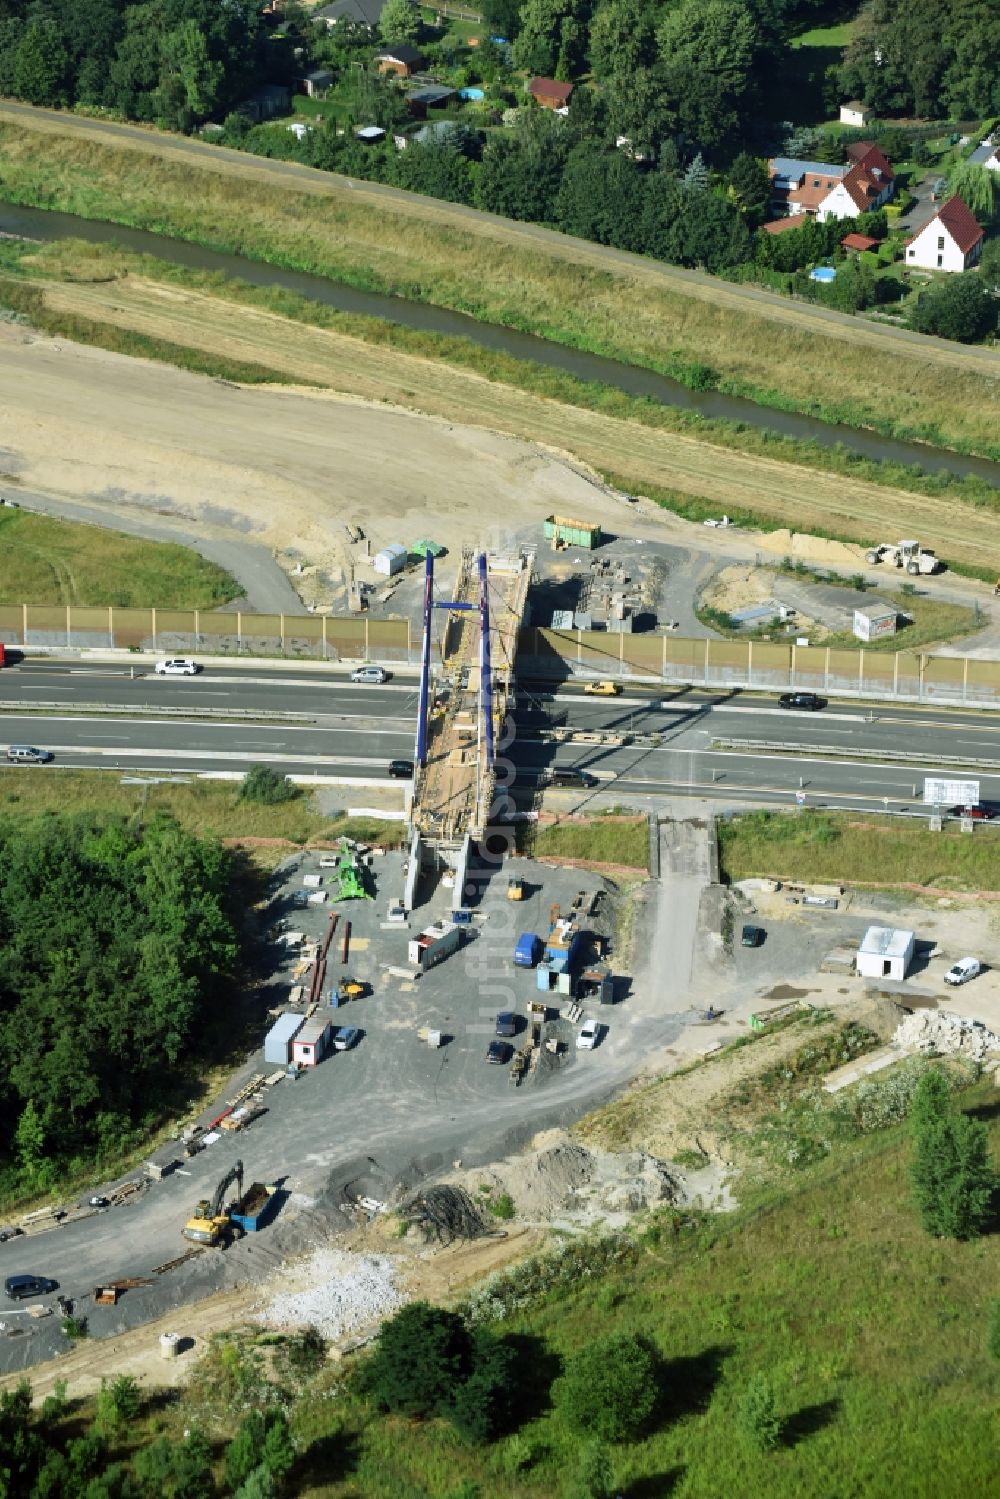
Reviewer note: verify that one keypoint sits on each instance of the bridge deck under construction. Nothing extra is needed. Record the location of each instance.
(453, 793)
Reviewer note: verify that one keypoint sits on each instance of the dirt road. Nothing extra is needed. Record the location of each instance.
(288, 469)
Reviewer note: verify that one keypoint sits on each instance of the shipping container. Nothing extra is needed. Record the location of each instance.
(278, 1041)
(434, 944)
(528, 950)
(311, 1044)
(572, 533)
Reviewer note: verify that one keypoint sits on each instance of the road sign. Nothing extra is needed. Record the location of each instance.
(939, 792)
(800, 798)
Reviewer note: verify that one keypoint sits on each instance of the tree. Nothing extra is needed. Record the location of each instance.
(993, 1330)
(399, 21)
(926, 58)
(958, 307)
(190, 80)
(621, 39)
(608, 1389)
(951, 1175)
(40, 64)
(420, 1359)
(750, 186)
(118, 1402)
(989, 263)
(480, 1406)
(758, 1413)
(977, 187)
(262, 784)
(503, 17)
(708, 51)
(552, 39)
(696, 176)
(596, 1476)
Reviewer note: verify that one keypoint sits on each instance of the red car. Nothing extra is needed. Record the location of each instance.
(978, 813)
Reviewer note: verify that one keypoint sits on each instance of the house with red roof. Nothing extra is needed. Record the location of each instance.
(549, 93)
(868, 183)
(951, 241)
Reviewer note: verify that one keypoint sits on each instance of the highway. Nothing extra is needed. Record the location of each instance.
(308, 722)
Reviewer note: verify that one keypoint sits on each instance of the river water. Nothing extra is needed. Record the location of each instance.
(44, 225)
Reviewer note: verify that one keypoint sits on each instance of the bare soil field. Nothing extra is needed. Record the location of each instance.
(289, 468)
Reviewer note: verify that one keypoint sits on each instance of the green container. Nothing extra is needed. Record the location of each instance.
(574, 533)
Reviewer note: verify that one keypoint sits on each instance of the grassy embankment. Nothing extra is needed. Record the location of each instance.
(205, 807)
(97, 292)
(48, 561)
(707, 333)
(843, 847)
(871, 1333)
(603, 840)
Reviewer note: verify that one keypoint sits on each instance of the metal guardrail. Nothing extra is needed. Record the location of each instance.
(136, 710)
(840, 752)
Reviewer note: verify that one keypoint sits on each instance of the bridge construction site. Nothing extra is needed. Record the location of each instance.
(461, 713)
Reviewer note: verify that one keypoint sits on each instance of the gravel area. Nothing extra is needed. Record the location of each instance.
(343, 1293)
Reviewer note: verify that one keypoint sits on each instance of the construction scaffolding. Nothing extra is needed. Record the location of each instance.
(455, 781)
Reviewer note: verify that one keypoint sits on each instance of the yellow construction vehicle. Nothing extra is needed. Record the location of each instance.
(516, 889)
(210, 1223)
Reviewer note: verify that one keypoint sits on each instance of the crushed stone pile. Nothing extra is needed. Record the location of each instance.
(947, 1034)
(341, 1293)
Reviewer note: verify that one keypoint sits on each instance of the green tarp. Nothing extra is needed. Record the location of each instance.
(421, 548)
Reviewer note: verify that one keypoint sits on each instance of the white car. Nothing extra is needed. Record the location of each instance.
(589, 1035)
(964, 970)
(177, 666)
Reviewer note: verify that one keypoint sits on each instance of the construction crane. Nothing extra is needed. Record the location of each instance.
(210, 1224)
(350, 877)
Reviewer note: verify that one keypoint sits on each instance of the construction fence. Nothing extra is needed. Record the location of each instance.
(907, 675)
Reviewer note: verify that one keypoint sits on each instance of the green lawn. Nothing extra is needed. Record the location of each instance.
(603, 839)
(47, 561)
(826, 36)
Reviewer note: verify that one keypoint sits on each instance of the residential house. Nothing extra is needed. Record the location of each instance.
(868, 183)
(361, 12)
(315, 83)
(800, 186)
(951, 241)
(550, 94)
(401, 59)
(855, 113)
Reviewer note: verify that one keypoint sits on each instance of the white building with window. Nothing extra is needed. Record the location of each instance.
(951, 241)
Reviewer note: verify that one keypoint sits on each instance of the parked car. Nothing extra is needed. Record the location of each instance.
(807, 701)
(602, 689)
(375, 675)
(177, 666)
(589, 1035)
(508, 1024)
(10, 1232)
(979, 813)
(962, 971)
(346, 1036)
(753, 936)
(401, 770)
(28, 754)
(20, 1287)
(560, 777)
(499, 1052)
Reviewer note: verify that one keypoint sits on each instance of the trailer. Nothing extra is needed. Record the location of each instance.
(253, 1210)
(311, 1044)
(278, 1041)
(434, 944)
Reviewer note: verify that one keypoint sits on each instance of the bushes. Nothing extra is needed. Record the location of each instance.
(429, 1363)
(951, 1175)
(609, 1388)
(262, 784)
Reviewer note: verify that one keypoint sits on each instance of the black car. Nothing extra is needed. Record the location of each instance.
(808, 701)
(570, 778)
(753, 936)
(499, 1052)
(507, 1023)
(401, 770)
(20, 1287)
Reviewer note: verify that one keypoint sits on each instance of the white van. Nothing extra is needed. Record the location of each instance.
(374, 674)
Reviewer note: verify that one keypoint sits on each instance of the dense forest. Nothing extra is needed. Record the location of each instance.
(117, 954)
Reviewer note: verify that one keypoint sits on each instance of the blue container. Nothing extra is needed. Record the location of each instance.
(528, 950)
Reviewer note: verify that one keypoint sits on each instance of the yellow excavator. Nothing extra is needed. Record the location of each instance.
(210, 1222)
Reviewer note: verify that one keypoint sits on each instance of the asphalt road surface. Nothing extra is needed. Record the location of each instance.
(321, 723)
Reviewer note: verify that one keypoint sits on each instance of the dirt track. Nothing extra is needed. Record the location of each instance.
(288, 468)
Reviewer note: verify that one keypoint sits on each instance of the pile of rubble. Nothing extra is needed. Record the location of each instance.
(943, 1033)
(445, 1213)
(341, 1293)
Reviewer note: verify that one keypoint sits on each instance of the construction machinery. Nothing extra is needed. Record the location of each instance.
(351, 989)
(350, 876)
(516, 889)
(906, 554)
(210, 1222)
